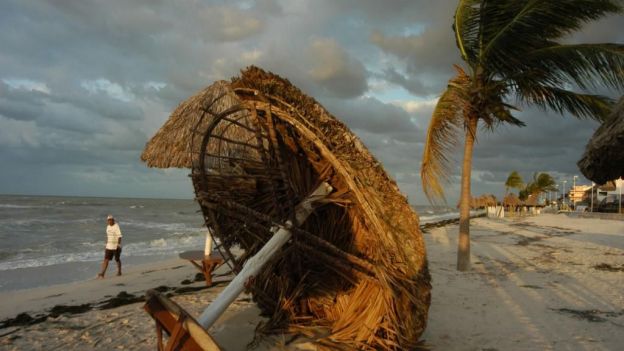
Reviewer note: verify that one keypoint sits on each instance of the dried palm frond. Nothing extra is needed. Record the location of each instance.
(443, 135)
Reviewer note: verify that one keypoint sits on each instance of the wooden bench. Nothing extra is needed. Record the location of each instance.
(184, 331)
(205, 264)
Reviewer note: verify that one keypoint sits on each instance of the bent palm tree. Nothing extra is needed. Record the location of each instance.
(542, 183)
(514, 181)
(510, 49)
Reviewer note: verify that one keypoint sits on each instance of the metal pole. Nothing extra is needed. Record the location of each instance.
(620, 199)
(563, 194)
(574, 191)
(592, 197)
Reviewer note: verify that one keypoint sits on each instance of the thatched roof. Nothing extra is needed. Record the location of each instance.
(355, 274)
(482, 201)
(173, 144)
(603, 159)
(511, 200)
(531, 200)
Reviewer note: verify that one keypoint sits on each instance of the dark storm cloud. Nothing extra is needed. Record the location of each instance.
(20, 104)
(413, 85)
(83, 84)
(373, 116)
(333, 68)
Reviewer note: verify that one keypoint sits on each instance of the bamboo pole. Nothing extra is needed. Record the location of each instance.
(253, 266)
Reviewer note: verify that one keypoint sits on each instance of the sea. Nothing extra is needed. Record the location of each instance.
(46, 240)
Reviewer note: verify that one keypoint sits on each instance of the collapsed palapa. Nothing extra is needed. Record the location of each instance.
(355, 273)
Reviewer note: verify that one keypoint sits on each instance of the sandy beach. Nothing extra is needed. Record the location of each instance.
(548, 282)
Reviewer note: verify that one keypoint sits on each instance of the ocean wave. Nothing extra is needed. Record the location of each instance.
(19, 206)
(161, 246)
(170, 227)
(441, 216)
(82, 203)
(45, 221)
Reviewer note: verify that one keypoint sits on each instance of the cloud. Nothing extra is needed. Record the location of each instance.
(19, 104)
(230, 24)
(373, 116)
(413, 85)
(333, 69)
(17, 133)
(84, 84)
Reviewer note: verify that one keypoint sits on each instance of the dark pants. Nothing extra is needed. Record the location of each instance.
(109, 254)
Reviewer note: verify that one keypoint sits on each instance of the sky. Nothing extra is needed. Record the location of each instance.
(84, 84)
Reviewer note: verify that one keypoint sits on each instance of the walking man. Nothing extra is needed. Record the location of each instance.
(113, 246)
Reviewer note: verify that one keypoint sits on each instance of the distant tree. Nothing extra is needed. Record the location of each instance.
(514, 181)
(542, 183)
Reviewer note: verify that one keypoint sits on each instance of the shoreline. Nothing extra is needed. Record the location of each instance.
(26, 278)
(95, 292)
(540, 282)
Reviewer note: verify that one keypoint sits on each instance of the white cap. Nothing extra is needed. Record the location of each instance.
(109, 217)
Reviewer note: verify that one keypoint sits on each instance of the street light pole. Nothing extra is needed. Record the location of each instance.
(574, 191)
(563, 194)
(592, 197)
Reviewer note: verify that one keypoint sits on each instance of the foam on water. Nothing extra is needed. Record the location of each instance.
(156, 247)
(17, 206)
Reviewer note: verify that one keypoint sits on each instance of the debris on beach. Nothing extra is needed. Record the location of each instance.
(354, 274)
(609, 268)
(595, 316)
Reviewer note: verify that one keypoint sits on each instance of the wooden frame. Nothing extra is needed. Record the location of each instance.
(184, 332)
(208, 264)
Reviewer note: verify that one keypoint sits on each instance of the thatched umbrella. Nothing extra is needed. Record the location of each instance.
(511, 200)
(485, 200)
(603, 159)
(531, 200)
(355, 273)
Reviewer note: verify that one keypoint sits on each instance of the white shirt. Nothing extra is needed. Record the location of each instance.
(113, 233)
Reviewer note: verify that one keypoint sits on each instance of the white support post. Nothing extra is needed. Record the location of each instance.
(253, 266)
(208, 245)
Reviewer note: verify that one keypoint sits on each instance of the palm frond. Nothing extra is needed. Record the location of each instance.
(466, 26)
(542, 183)
(496, 111)
(586, 65)
(560, 100)
(535, 21)
(546, 182)
(514, 181)
(443, 135)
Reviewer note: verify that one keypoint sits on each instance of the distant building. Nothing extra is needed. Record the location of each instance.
(577, 193)
(605, 194)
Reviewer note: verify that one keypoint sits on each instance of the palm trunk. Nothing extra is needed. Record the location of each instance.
(463, 247)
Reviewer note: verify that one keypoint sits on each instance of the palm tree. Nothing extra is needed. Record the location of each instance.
(511, 49)
(514, 181)
(542, 183)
